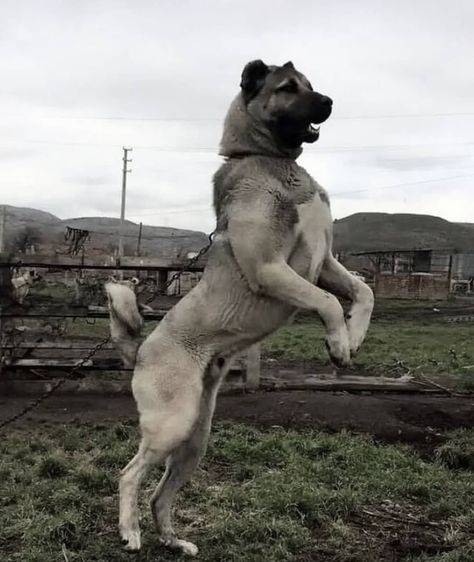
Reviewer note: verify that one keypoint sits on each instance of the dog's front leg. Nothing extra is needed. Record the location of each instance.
(260, 256)
(335, 278)
(279, 281)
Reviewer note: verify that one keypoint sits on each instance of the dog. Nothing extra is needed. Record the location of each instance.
(22, 284)
(271, 257)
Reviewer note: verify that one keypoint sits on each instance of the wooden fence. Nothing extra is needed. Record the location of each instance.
(35, 350)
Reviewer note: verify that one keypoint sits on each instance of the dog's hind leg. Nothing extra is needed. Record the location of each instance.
(167, 420)
(184, 460)
(335, 278)
(130, 480)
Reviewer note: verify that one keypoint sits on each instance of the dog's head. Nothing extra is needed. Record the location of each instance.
(31, 276)
(277, 110)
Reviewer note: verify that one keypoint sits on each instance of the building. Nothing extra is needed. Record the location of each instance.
(424, 273)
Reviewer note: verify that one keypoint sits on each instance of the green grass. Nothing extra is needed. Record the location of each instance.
(405, 336)
(258, 496)
(458, 451)
(422, 347)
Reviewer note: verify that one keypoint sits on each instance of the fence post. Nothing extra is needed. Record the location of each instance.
(252, 372)
(162, 281)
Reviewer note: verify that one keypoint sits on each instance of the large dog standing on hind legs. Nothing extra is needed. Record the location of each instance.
(271, 256)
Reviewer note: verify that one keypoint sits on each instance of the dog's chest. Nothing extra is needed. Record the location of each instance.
(312, 223)
(310, 237)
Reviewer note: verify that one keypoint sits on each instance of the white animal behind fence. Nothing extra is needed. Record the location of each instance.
(22, 283)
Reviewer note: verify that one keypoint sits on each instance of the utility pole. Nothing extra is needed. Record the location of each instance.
(3, 220)
(125, 171)
(139, 238)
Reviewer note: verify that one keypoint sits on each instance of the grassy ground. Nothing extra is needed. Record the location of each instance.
(420, 347)
(415, 343)
(405, 336)
(258, 497)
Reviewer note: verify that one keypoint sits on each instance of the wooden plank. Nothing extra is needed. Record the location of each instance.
(56, 345)
(331, 383)
(99, 262)
(87, 385)
(92, 385)
(132, 262)
(111, 363)
(67, 311)
(46, 363)
(98, 364)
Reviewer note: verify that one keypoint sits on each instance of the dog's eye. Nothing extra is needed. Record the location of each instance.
(291, 87)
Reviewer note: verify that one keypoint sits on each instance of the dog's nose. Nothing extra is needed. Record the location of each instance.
(327, 101)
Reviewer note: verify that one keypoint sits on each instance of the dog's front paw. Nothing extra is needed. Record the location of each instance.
(358, 318)
(357, 325)
(339, 349)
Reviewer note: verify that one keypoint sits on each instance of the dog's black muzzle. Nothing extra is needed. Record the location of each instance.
(295, 126)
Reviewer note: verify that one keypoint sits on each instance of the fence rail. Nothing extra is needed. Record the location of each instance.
(36, 352)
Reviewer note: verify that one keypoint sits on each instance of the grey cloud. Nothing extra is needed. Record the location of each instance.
(15, 153)
(65, 60)
(426, 162)
(89, 180)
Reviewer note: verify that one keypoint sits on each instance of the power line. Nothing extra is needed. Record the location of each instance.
(336, 193)
(393, 186)
(214, 150)
(220, 119)
(173, 211)
(404, 115)
(433, 180)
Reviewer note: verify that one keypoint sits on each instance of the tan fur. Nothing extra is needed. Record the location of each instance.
(125, 320)
(271, 257)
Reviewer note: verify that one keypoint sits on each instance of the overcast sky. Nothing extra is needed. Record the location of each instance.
(79, 80)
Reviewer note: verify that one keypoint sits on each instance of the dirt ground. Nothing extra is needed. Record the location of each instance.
(413, 419)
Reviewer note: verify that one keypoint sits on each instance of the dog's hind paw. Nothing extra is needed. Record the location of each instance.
(186, 547)
(131, 540)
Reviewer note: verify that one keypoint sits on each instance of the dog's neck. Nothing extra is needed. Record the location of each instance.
(243, 137)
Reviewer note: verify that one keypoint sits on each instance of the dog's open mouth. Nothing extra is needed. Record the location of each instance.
(311, 133)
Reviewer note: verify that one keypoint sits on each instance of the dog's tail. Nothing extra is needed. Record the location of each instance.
(125, 320)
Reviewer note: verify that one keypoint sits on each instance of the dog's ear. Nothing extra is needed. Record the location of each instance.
(253, 78)
(289, 64)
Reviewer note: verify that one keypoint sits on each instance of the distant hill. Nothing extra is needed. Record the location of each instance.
(156, 240)
(383, 231)
(26, 227)
(355, 233)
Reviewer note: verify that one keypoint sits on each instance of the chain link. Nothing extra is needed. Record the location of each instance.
(185, 268)
(35, 403)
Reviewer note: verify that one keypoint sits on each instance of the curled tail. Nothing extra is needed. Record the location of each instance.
(125, 320)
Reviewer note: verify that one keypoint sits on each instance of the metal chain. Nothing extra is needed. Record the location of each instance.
(32, 405)
(35, 403)
(185, 268)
